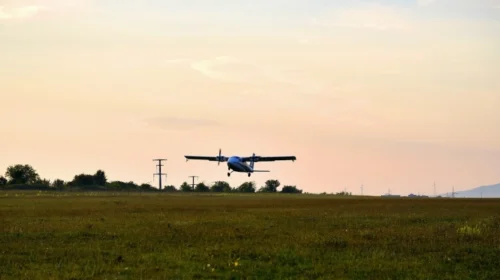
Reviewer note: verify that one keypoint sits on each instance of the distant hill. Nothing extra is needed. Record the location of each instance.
(484, 191)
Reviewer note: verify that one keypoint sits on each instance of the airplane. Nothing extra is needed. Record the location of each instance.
(239, 164)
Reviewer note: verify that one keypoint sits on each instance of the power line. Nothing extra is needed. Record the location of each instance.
(160, 174)
(453, 193)
(192, 185)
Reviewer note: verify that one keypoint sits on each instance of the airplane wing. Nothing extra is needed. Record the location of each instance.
(261, 158)
(205, 158)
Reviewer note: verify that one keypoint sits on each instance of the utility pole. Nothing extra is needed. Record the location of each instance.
(192, 185)
(435, 189)
(361, 189)
(159, 171)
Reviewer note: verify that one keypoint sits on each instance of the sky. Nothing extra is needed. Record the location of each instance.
(391, 95)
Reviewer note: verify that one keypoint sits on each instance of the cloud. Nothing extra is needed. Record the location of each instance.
(445, 14)
(175, 61)
(229, 69)
(304, 41)
(425, 2)
(233, 70)
(301, 88)
(343, 110)
(21, 12)
(178, 123)
(366, 16)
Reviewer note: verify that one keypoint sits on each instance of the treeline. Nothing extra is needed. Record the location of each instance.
(25, 177)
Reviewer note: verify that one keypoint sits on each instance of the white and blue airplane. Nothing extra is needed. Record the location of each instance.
(240, 164)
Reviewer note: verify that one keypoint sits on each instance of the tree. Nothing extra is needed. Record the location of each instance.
(201, 187)
(220, 186)
(290, 189)
(170, 188)
(83, 180)
(227, 188)
(43, 182)
(58, 184)
(130, 185)
(145, 187)
(185, 187)
(3, 181)
(343, 193)
(119, 185)
(100, 178)
(271, 186)
(22, 174)
(247, 187)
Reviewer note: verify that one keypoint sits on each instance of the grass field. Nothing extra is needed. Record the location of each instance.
(259, 236)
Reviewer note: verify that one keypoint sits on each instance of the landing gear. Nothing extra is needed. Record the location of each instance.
(228, 174)
(249, 174)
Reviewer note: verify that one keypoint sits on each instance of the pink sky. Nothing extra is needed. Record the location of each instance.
(382, 95)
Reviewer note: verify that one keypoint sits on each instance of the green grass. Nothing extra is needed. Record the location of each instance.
(53, 235)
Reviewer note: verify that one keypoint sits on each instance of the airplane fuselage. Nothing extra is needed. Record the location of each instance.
(234, 163)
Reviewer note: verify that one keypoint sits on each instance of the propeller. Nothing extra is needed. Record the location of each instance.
(219, 158)
(254, 157)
